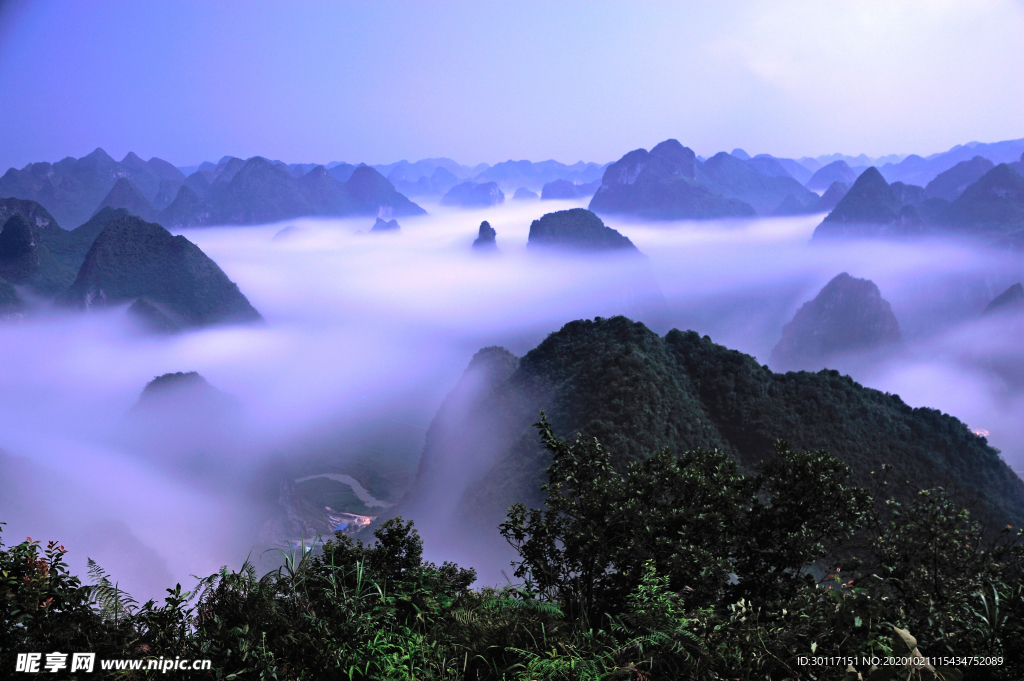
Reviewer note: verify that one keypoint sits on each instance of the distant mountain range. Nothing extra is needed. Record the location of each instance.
(234, 191)
(435, 176)
(670, 183)
(72, 190)
(987, 202)
(919, 170)
(474, 195)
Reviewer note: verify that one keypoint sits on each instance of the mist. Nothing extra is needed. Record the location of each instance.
(366, 334)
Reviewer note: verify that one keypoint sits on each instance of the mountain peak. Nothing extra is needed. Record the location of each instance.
(870, 207)
(98, 154)
(826, 175)
(576, 228)
(848, 315)
(1010, 299)
(124, 194)
(486, 237)
(673, 151)
(132, 258)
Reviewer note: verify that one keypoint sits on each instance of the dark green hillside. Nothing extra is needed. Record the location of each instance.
(69, 248)
(636, 392)
(10, 301)
(25, 259)
(133, 259)
(31, 211)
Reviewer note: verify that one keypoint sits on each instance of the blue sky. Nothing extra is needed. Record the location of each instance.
(481, 81)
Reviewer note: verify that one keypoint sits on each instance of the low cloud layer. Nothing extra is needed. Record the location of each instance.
(366, 334)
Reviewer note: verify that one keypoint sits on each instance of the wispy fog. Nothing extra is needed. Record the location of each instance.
(366, 334)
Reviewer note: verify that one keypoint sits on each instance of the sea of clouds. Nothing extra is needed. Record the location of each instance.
(368, 333)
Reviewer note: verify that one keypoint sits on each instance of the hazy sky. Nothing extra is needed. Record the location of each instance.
(378, 82)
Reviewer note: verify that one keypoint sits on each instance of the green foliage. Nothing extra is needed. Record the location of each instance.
(673, 568)
(637, 393)
(697, 518)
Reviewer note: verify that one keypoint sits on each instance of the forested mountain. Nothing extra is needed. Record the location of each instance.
(951, 183)
(25, 259)
(1010, 300)
(126, 195)
(608, 377)
(847, 316)
(486, 238)
(837, 171)
(577, 229)
(762, 185)
(132, 259)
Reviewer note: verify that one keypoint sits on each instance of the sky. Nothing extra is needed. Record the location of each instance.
(486, 82)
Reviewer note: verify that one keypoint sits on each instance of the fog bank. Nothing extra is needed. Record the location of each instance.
(367, 333)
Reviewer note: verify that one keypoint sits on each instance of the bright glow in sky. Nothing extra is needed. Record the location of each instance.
(378, 82)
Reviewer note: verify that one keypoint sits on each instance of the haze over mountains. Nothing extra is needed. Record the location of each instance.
(237, 191)
(116, 257)
(636, 392)
(376, 328)
(989, 207)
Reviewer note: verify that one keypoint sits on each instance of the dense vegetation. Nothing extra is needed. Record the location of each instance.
(131, 258)
(676, 568)
(637, 392)
(25, 259)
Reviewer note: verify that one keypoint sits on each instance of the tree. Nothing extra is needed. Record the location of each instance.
(709, 529)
